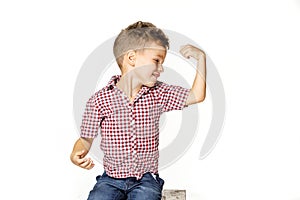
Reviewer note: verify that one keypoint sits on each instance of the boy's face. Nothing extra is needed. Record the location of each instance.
(148, 64)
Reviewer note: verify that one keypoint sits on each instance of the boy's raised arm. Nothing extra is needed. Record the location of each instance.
(198, 90)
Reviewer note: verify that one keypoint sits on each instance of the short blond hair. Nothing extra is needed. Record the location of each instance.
(136, 36)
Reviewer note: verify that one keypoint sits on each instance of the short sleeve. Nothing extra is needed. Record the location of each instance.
(173, 97)
(91, 120)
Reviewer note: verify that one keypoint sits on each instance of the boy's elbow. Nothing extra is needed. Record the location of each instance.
(197, 95)
(200, 99)
(195, 99)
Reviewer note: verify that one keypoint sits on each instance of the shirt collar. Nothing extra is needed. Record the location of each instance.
(114, 79)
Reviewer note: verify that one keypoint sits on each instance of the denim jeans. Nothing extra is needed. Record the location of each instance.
(146, 188)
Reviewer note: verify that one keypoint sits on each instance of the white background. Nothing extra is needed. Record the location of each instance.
(254, 44)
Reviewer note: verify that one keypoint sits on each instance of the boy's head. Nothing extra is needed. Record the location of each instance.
(137, 37)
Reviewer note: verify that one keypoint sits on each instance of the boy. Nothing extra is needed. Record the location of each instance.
(128, 111)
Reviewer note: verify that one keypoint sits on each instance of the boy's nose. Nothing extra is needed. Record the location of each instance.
(160, 68)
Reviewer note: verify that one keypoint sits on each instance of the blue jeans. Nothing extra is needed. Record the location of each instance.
(108, 188)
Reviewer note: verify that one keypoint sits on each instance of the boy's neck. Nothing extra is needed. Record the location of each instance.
(129, 85)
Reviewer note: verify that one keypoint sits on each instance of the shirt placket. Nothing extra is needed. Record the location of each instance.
(133, 138)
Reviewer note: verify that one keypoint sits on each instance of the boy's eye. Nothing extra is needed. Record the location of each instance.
(156, 60)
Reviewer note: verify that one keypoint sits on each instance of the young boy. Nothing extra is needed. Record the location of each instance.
(128, 110)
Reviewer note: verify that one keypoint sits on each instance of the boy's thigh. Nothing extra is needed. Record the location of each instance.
(105, 190)
(148, 189)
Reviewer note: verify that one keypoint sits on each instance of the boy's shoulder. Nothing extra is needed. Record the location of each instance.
(107, 89)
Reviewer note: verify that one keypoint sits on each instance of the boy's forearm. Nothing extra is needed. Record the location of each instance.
(198, 90)
(80, 150)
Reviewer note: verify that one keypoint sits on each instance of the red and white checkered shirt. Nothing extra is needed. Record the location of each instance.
(130, 131)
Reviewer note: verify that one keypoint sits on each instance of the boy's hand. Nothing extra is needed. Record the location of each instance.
(189, 51)
(79, 159)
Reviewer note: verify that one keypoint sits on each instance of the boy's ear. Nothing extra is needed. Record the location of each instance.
(131, 57)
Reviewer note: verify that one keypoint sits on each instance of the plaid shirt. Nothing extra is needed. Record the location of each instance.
(130, 130)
